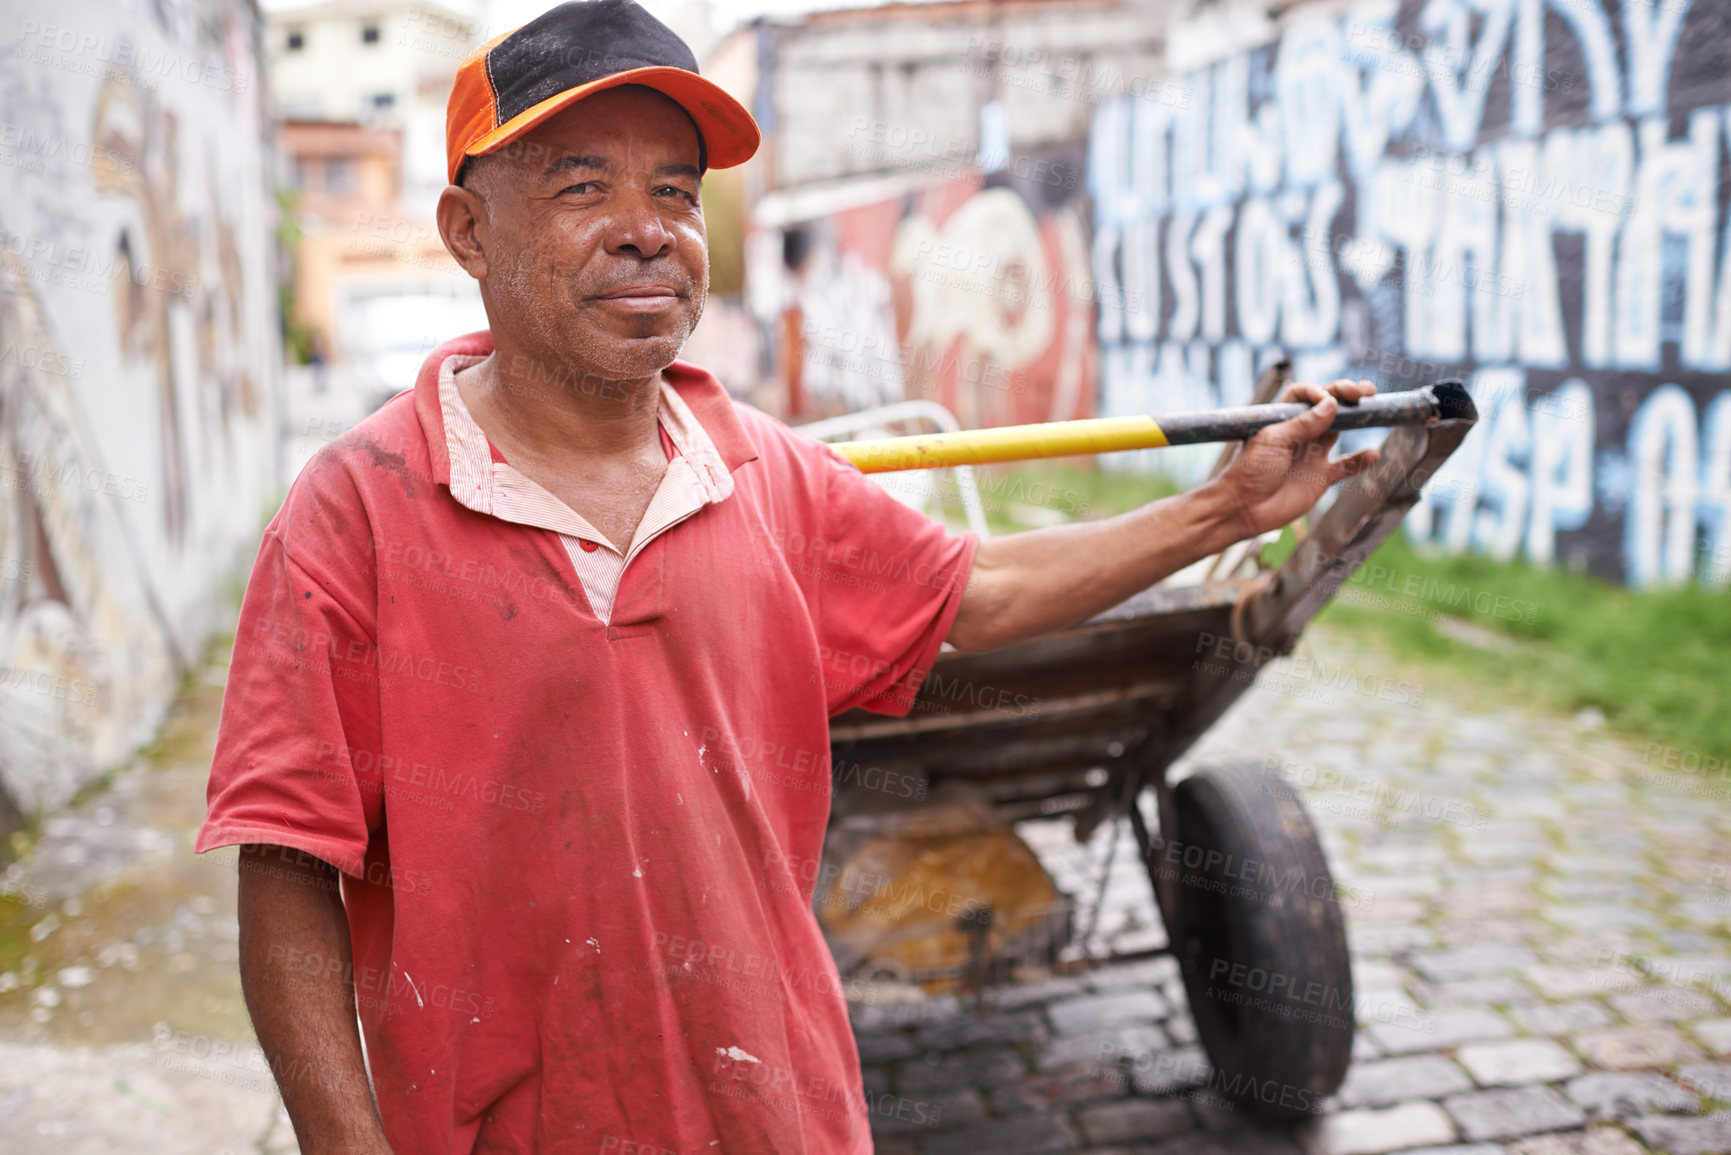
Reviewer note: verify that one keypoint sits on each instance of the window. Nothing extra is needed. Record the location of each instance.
(339, 176)
(384, 99)
(296, 41)
(369, 34)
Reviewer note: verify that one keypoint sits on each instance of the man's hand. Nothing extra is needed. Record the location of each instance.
(1284, 470)
(1026, 584)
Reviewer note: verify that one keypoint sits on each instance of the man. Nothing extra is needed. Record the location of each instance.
(517, 653)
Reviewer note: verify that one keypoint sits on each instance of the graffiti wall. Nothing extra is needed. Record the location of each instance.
(137, 355)
(1528, 194)
(973, 291)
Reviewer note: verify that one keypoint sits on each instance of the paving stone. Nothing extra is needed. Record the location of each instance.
(1571, 982)
(987, 1067)
(1471, 962)
(1109, 1049)
(1047, 1092)
(1095, 1012)
(1494, 901)
(1597, 1141)
(1562, 1018)
(1715, 1035)
(1519, 932)
(1591, 862)
(1169, 1071)
(1379, 973)
(1389, 938)
(1364, 1048)
(1516, 1061)
(1590, 889)
(1512, 1113)
(1601, 916)
(1690, 969)
(1012, 998)
(1711, 1079)
(1632, 1048)
(905, 1115)
(1246, 1142)
(1709, 1135)
(1388, 1005)
(1397, 1080)
(1022, 1135)
(1505, 989)
(1439, 1030)
(967, 1030)
(1373, 1132)
(1664, 1004)
(1136, 1120)
(1622, 1095)
(885, 1048)
(1154, 972)
(871, 1017)
(1460, 1149)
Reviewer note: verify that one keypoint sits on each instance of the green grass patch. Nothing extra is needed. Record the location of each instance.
(1654, 663)
(1038, 493)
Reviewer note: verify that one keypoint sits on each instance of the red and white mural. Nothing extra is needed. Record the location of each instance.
(969, 291)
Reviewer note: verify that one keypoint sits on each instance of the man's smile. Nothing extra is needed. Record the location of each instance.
(649, 297)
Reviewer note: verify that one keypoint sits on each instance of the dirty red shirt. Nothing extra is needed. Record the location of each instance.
(579, 849)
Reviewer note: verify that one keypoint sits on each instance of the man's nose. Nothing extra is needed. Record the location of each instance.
(637, 228)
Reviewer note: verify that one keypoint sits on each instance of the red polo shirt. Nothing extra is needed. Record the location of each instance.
(578, 846)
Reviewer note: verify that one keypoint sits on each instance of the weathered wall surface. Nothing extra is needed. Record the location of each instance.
(920, 212)
(1530, 194)
(972, 292)
(138, 355)
(870, 92)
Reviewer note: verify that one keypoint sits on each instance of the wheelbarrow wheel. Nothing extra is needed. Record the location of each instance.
(1259, 939)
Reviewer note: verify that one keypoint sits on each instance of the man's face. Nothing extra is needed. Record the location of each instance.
(595, 245)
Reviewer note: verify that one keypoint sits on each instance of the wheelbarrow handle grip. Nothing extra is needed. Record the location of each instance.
(1443, 401)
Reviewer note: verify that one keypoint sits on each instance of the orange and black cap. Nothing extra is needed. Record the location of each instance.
(515, 81)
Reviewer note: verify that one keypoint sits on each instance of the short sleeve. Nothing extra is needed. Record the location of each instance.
(300, 710)
(890, 580)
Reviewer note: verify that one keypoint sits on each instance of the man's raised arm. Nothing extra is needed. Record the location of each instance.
(1026, 584)
(296, 970)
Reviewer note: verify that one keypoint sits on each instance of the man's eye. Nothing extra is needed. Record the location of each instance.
(583, 187)
(687, 194)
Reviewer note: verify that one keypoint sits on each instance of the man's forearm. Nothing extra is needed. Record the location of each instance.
(1025, 584)
(296, 971)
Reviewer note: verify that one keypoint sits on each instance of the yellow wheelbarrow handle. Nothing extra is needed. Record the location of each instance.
(1116, 434)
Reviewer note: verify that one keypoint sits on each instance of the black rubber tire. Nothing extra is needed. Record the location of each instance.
(1260, 941)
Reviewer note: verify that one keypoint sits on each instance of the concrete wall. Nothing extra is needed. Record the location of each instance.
(1527, 194)
(919, 217)
(891, 90)
(138, 362)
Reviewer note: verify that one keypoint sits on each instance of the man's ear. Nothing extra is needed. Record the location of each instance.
(462, 217)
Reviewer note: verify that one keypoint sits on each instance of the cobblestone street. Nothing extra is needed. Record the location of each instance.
(1538, 925)
(1537, 918)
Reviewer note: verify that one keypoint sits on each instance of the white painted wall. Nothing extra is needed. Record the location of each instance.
(138, 366)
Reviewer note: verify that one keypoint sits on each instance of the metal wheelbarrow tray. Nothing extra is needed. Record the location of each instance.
(1237, 871)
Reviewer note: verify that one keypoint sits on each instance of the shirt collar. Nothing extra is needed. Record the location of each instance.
(695, 410)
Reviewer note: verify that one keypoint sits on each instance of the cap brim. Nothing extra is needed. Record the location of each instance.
(730, 135)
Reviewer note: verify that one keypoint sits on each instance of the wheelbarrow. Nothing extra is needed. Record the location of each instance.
(1238, 873)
